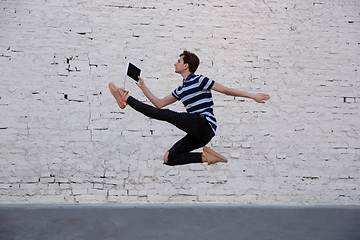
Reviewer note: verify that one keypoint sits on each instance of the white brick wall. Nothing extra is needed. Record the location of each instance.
(64, 140)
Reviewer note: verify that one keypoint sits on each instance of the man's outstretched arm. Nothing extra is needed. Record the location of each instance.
(159, 103)
(258, 97)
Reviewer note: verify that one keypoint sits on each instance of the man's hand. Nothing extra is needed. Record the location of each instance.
(261, 97)
(141, 83)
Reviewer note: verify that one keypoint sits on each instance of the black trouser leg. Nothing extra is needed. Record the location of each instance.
(199, 132)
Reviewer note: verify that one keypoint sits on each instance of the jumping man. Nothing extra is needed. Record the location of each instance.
(198, 121)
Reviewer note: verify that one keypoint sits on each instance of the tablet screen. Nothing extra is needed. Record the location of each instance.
(133, 72)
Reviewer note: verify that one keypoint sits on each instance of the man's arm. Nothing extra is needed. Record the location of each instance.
(159, 103)
(258, 97)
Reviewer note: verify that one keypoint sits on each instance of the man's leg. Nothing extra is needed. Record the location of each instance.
(180, 153)
(199, 133)
(184, 121)
(197, 127)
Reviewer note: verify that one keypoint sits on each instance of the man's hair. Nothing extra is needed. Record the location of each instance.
(191, 59)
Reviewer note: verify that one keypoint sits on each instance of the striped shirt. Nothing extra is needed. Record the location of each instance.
(195, 94)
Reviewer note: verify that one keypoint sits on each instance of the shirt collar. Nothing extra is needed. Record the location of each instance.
(191, 75)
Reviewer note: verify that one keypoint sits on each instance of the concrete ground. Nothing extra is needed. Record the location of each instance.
(178, 222)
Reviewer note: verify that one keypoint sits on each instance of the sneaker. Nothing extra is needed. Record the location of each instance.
(213, 157)
(119, 95)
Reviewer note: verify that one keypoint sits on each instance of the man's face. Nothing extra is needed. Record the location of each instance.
(180, 65)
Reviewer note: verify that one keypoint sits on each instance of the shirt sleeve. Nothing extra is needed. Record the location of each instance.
(207, 83)
(175, 94)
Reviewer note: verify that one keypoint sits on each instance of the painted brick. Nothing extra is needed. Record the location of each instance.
(63, 138)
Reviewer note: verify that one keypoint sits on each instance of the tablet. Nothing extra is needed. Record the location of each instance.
(133, 71)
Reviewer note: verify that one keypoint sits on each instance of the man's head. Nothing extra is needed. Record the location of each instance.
(191, 59)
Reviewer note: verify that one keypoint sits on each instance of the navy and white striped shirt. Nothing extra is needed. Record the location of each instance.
(195, 94)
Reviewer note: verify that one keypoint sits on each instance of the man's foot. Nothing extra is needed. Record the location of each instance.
(212, 157)
(119, 94)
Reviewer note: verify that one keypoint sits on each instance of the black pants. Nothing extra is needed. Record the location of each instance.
(199, 131)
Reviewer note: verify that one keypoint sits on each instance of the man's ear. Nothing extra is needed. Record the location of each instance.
(186, 65)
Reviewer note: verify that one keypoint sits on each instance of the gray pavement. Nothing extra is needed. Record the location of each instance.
(178, 222)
